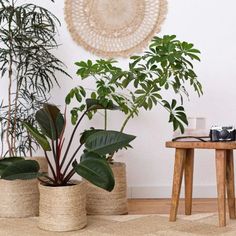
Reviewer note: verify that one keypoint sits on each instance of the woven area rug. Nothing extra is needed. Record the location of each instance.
(130, 225)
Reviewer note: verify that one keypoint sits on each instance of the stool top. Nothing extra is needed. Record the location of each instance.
(201, 145)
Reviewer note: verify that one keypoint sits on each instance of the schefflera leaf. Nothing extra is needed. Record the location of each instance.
(22, 169)
(96, 170)
(107, 141)
(40, 138)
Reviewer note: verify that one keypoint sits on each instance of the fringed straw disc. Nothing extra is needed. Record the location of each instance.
(114, 28)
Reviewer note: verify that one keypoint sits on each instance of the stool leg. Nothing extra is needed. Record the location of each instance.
(230, 183)
(221, 178)
(177, 181)
(188, 177)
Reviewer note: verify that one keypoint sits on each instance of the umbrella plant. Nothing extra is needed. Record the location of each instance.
(166, 65)
(97, 145)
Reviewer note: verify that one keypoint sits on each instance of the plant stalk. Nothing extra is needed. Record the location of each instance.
(71, 139)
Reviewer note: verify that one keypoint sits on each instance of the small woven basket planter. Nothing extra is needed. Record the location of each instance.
(19, 198)
(62, 208)
(102, 202)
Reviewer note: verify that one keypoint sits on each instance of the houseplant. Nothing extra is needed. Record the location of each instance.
(57, 211)
(27, 37)
(19, 187)
(166, 65)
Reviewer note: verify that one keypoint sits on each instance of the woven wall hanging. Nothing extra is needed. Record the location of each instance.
(113, 28)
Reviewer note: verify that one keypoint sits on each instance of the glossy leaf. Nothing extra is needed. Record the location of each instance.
(105, 142)
(25, 169)
(95, 104)
(40, 138)
(5, 162)
(87, 133)
(96, 170)
(51, 121)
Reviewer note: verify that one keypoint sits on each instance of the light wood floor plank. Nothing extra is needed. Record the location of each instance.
(162, 206)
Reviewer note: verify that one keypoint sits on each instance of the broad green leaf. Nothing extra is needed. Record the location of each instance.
(51, 121)
(9, 160)
(88, 133)
(40, 138)
(5, 162)
(107, 141)
(25, 169)
(96, 170)
(94, 104)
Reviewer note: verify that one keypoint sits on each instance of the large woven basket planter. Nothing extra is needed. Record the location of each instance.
(62, 208)
(42, 163)
(19, 198)
(102, 202)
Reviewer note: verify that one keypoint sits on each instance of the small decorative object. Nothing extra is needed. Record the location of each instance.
(166, 65)
(62, 202)
(19, 187)
(114, 28)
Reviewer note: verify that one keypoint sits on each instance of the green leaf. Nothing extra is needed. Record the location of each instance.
(96, 170)
(107, 141)
(94, 104)
(9, 160)
(25, 169)
(50, 120)
(40, 138)
(87, 133)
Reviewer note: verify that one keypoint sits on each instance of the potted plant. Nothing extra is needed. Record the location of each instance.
(19, 187)
(166, 65)
(27, 39)
(63, 201)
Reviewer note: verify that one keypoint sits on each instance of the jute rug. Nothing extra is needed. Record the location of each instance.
(128, 225)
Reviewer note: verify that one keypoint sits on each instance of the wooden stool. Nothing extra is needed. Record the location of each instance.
(184, 162)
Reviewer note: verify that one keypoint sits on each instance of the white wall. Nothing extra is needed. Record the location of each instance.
(210, 25)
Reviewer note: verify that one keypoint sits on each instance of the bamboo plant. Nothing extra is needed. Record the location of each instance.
(27, 37)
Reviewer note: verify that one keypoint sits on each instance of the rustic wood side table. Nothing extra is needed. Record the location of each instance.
(184, 163)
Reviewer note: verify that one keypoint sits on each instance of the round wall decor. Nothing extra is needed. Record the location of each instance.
(113, 28)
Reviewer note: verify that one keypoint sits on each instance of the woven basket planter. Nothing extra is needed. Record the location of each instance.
(19, 198)
(102, 202)
(62, 208)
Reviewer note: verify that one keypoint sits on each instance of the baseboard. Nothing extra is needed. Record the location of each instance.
(201, 191)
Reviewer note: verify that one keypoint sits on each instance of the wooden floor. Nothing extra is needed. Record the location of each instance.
(162, 206)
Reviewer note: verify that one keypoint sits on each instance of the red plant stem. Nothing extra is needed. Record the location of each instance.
(71, 139)
(69, 176)
(47, 177)
(50, 165)
(55, 160)
(72, 158)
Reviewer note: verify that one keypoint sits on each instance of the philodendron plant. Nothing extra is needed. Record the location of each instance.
(12, 168)
(92, 165)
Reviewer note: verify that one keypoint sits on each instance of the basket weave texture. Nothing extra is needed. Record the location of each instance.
(62, 208)
(102, 202)
(19, 198)
(117, 28)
